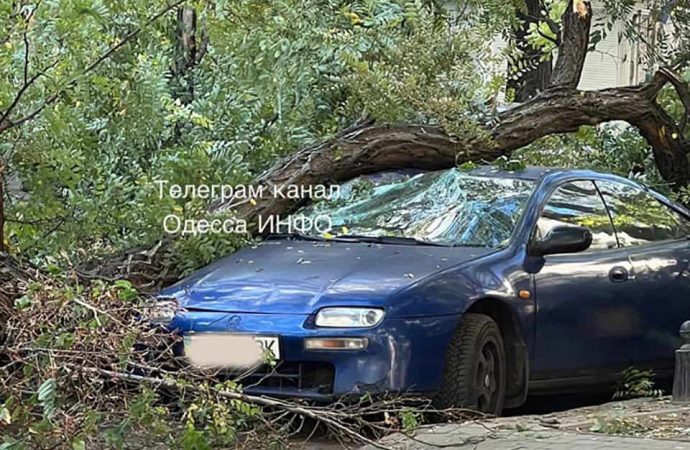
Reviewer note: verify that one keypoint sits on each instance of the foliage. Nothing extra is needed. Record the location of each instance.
(410, 421)
(541, 34)
(59, 350)
(79, 368)
(505, 163)
(423, 78)
(615, 147)
(617, 425)
(669, 100)
(636, 383)
(274, 76)
(113, 112)
(661, 28)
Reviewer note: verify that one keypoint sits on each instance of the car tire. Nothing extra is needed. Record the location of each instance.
(474, 374)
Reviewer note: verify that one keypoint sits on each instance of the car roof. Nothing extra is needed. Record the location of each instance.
(534, 173)
(537, 173)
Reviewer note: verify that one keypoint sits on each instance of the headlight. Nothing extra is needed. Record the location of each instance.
(162, 311)
(349, 317)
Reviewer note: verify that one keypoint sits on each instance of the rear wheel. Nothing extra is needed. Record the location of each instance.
(474, 374)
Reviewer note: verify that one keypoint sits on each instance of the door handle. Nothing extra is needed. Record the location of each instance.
(618, 274)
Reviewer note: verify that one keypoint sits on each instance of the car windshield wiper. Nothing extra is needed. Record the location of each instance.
(400, 240)
(298, 236)
(386, 240)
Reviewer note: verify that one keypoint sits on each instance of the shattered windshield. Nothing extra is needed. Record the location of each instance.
(450, 207)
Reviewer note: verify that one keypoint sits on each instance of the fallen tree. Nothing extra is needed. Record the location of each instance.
(369, 147)
(83, 355)
(561, 108)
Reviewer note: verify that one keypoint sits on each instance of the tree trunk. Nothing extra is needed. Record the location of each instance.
(185, 54)
(572, 51)
(370, 147)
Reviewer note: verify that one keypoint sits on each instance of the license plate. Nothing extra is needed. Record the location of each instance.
(229, 350)
(269, 344)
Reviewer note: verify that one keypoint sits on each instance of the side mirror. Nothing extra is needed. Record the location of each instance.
(562, 239)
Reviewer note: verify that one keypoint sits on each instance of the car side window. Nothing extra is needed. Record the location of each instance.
(578, 203)
(639, 218)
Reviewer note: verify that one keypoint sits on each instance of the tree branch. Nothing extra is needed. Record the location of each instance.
(370, 147)
(683, 91)
(4, 117)
(6, 123)
(577, 21)
(26, 58)
(203, 46)
(27, 23)
(327, 417)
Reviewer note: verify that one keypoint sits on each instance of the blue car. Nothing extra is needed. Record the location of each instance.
(473, 287)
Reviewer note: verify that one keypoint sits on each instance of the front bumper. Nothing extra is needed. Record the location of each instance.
(403, 355)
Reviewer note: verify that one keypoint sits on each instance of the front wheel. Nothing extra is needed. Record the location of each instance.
(474, 375)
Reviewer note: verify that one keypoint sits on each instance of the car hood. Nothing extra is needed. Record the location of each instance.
(299, 277)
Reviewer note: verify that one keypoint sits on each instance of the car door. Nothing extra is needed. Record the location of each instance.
(655, 236)
(584, 300)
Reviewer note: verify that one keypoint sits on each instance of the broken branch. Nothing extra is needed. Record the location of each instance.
(577, 20)
(6, 123)
(683, 91)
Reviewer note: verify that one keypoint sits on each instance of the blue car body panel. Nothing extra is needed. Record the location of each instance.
(298, 277)
(576, 324)
(397, 359)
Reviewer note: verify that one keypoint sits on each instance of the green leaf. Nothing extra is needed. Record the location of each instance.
(126, 291)
(22, 302)
(123, 284)
(468, 165)
(47, 395)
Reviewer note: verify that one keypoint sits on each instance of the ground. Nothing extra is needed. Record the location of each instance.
(645, 424)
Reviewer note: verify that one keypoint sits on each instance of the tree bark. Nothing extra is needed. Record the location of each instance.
(371, 147)
(572, 52)
(186, 53)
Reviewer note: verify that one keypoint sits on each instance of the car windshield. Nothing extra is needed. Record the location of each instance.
(451, 207)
